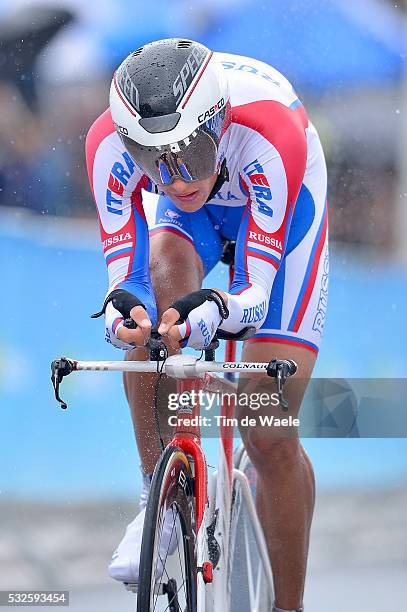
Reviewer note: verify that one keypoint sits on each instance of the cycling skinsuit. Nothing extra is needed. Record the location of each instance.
(274, 205)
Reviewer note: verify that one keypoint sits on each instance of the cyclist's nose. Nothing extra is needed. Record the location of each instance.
(178, 186)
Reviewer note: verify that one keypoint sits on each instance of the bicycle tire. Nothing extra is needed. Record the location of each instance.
(246, 578)
(172, 487)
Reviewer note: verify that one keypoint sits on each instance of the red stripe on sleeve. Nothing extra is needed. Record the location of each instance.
(102, 127)
(285, 130)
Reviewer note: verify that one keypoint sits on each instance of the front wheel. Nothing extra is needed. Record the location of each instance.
(167, 576)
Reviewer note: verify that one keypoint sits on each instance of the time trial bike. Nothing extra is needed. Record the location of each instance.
(216, 556)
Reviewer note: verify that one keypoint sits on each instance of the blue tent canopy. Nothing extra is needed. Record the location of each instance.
(318, 44)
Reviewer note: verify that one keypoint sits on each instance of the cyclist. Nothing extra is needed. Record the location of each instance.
(226, 144)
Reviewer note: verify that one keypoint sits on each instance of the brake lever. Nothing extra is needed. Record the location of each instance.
(60, 368)
(280, 386)
(281, 369)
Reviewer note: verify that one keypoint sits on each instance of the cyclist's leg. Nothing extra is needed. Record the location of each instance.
(183, 248)
(293, 329)
(285, 484)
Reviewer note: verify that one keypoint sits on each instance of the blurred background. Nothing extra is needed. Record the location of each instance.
(69, 482)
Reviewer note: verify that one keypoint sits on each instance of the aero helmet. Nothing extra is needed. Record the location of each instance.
(170, 104)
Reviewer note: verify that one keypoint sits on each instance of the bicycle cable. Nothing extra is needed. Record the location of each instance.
(160, 372)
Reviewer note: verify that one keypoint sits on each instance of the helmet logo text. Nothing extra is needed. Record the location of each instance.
(122, 129)
(211, 111)
(127, 87)
(187, 73)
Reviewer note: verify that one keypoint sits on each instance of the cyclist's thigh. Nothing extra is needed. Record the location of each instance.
(298, 302)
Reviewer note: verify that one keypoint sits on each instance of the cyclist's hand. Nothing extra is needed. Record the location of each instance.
(201, 318)
(168, 327)
(123, 305)
(141, 334)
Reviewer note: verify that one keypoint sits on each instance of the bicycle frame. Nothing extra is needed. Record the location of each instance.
(216, 509)
(212, 512)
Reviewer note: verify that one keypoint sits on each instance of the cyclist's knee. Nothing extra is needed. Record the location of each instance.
(265, 450)
(176, 269)
(136, 354)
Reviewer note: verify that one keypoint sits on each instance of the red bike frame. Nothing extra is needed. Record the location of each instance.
(188, 438)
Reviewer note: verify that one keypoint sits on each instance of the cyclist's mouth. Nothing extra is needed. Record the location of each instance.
(188, 197)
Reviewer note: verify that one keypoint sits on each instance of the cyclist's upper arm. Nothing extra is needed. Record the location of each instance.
(272, 167)
(116, 182)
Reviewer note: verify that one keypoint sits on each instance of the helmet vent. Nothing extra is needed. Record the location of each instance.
(137, 52)
(184, 44)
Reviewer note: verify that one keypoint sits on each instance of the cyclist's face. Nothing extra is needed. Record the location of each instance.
(189, 196)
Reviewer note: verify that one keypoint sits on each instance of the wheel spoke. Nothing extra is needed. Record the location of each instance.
(175, 595)
(163, 562)
(179, 555)
(172, 531)
(161, 580)
(179, 558)
(166, 556)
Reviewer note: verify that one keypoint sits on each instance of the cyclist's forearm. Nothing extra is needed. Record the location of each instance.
(141, 289)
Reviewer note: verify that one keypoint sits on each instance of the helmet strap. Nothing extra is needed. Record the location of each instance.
(223, 177)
